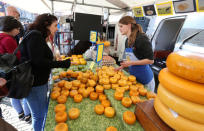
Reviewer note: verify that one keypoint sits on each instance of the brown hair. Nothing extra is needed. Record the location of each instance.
(42, 22)
(135, 28)
(8, 23)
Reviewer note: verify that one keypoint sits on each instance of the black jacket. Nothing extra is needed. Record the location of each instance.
(35, 48)
(142, 48)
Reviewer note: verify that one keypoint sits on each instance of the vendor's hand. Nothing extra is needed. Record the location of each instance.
(73, 63)
(126, 63)
(119, 68)
(58, 58)
(71, 58)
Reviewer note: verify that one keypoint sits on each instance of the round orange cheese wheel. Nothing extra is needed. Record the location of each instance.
(133, 93)
(109, 112)
(61, 127)
(126, 102)
(187, 65)
(120, 89)
(129, 117)
(99, 89)
(174, 120)
(99, 109)
(107, 87)
(111, 128)
(142, 91)
(56, 88)
(186, 89)
(102, 97)
(72, 93)
(132, 78)
(62, 99)
(61, 83)
(86, 93)
(135, 99)
(74, 113)
(106, 103)
(133, 88)
(93, 96)
(54, 95)
(61, 117)
(60, 107)
(118, 96)
(65, 92)
(78, 98)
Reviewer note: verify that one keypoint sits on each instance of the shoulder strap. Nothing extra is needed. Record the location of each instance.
(20, 44)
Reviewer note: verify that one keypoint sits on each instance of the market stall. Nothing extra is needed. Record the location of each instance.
(88, 118)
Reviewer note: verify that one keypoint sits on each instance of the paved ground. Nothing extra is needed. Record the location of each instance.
(10, 115)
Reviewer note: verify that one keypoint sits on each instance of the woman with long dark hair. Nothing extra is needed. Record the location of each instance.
(37, 51)
(138, 52)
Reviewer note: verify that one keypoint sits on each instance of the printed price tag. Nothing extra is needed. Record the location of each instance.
(99, 56)
(92, 65)
(93, 36)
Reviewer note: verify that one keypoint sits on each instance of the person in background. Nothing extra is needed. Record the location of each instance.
(9, 28)
(38, 52)
(12, 11)
(138, 52)
(20, 106)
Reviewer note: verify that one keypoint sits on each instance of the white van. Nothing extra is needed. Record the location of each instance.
(177, 33)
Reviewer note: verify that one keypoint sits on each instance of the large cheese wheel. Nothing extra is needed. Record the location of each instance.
(174, 120)
(187, 109)
(181, 87)
(187, 65)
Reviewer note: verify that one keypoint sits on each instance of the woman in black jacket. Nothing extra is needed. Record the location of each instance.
(36, 49)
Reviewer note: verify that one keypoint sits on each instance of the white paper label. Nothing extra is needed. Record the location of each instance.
(174, 113)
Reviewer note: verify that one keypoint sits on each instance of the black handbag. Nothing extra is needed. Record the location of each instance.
(19, 76)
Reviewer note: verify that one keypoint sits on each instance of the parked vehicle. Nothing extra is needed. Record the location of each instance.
(177, 33)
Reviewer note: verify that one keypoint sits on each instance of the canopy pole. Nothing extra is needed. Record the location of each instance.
(52, 4)
(107, 23)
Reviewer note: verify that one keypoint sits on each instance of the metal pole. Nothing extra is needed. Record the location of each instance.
(107, 25)
(52, 3)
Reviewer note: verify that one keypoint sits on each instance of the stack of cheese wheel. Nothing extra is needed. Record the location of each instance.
(180, 96)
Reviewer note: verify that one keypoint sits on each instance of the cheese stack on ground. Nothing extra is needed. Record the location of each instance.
(180, 96)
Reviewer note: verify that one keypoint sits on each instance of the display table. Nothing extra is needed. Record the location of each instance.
(89, 120)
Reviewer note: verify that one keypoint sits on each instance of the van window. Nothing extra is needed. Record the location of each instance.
(198, 39)
(192, 24)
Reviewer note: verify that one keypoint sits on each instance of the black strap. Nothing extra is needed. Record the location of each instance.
(20, 44)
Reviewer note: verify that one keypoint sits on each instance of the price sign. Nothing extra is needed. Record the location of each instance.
(93, 36)
(99, 55)
(92, 65)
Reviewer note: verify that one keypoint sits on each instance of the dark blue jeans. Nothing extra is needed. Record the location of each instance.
(37, 101)
(20, 106)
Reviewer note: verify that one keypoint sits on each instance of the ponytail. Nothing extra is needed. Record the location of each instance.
(135, 28)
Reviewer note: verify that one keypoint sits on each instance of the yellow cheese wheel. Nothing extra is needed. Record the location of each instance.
(175, 121)
(187, 65)
(187, 109)
(183, 88)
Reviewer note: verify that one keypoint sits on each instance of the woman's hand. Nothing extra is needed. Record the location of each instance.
(119, 68)
(126, 63)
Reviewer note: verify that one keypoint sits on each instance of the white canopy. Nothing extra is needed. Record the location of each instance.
(83, 6)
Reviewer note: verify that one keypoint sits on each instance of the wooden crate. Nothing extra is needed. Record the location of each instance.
(148, 118)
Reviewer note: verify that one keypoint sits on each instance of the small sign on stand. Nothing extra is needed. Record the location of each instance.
(99, 55)
(91, 65)
(93, 36)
